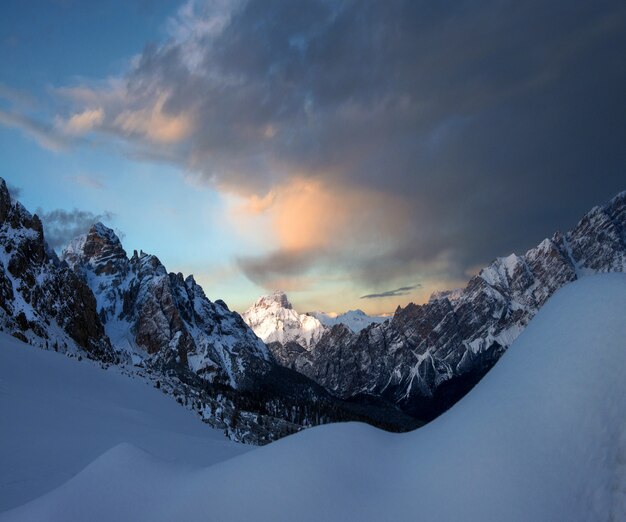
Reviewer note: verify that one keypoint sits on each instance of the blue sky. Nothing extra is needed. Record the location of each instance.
(330, 149)
(52, 44)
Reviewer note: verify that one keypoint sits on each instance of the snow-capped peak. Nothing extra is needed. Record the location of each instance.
(273, 319)
(99, 248)
(275, 299)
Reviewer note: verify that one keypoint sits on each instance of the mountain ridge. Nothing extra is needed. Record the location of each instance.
(428, 356)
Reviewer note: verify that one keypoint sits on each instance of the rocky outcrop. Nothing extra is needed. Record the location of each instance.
(162, 317)
(41, 300)
(427, 356)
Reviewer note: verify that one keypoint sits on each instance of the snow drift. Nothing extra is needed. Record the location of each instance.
(542, 437)
(57, 414)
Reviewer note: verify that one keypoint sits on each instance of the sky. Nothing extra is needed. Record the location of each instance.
(356, 154)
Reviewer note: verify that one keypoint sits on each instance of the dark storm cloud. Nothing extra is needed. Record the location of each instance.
(498, 121)
(403, 290)
(60, 226)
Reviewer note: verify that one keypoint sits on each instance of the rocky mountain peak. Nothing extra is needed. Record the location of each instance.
(277, 298)
(100, 248)
(273, 319)
(41, 301)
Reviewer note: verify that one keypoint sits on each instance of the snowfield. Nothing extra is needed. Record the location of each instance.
(542, 437)
(58, 414)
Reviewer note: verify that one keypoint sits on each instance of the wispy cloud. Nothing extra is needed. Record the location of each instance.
(60, 225)
(16, 96)
(14, 191)
(403, 290)
(82, 122)
(87, 180)
(46, 135)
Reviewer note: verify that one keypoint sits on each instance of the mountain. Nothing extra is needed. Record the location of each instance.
(513, 449)
(42, 301)
(284, 330)
(164, 317)
(428, 356)
(274, 320)
(160, 327)
(356, 320)
(165, 322)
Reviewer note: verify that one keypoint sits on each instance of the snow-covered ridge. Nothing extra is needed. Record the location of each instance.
(164, 317)
(511, 450)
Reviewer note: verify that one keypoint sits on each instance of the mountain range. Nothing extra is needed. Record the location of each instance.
(95, 301)
(428, 356)
(272, 370)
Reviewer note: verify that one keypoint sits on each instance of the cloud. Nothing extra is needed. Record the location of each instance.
(86, 180)
(387, 140)
(154, 123)
(82, 122)
(403, 290)
(60, 225)
(312, 222)
(16, 96)
(14, 191)
(278, 270)
(44, 134)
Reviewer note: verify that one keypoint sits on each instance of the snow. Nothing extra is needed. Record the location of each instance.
(356, 320)
(542, 437)
(273, 319)
(58, 414)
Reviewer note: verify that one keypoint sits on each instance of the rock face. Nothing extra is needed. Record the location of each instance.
(41, 300)
(427, 356)
(163, 317)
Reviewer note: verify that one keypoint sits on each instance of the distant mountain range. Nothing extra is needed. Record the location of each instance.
(356, 320)
(428, 356)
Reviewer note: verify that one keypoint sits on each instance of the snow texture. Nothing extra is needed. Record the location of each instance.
(542, 437)
(57, 414)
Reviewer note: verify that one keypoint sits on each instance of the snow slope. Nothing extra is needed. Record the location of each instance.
(542, 437)
(58, 414)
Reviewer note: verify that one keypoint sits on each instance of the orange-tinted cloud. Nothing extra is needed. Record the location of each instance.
(82, 122)
(154, 123)
(312, 221)
(316, 214)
